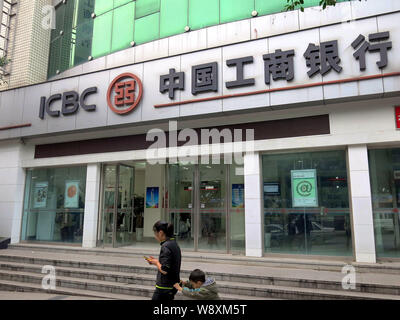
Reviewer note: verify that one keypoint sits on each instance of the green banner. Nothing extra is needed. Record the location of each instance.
(304, 188)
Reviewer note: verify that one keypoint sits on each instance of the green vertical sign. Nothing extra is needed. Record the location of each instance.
(304, 188)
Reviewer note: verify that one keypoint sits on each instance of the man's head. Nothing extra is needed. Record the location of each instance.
(197, 278)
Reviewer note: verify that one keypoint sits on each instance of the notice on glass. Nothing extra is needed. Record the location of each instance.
(152, 195)
(304, 188)
(238, 195)
(71, 199)
(40, 194)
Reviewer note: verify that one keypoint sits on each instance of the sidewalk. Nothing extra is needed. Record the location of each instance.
(8, 295)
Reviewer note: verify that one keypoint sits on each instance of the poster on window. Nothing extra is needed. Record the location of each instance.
(304, 188)
(71, 199)
(238, 195)
(40, 194)
(152, 197)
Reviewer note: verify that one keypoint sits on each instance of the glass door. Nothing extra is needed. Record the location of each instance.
(198, 197)
(117, 206)
(124, 214)
(212, 210)
(181, 203)
(108, 207)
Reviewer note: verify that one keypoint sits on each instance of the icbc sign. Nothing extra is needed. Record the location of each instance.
(397, 112)
(124, 93)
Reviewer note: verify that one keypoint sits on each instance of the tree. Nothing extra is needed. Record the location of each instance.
(3, 62)
(295, 4)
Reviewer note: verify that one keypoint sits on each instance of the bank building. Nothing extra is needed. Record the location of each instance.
(291, 120)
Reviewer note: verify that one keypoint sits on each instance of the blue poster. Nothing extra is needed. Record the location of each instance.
(238, 195)
(152, 197)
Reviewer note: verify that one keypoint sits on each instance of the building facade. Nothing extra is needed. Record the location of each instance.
(255, 131)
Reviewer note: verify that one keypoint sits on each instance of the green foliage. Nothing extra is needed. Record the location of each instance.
(3, 62)
(296, 4)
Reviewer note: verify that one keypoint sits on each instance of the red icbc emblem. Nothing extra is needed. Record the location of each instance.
(124, 93)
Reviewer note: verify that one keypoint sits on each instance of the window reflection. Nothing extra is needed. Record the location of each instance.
(298, 221)
(385, 186)
(54, 205)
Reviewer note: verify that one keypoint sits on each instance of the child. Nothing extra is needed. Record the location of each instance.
(198, 287)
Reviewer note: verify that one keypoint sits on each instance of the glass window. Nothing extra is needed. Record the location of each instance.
(83, 42)
(174, 17)
(60, 11)
(385, 185)
(123, 24)
(203, 13)
(232, 10)
(147, 28)
(118, 3)
(54, 60)
(311, 3)
(146, 7)
(54, 205)
(118, 22)
(267, 7)
(102, 6)
(102, 29)
(306, 204)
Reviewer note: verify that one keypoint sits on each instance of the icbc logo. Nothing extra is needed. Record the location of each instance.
(124, 93)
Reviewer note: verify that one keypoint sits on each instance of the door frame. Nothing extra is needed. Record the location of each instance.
(101, 206)
(196, 205)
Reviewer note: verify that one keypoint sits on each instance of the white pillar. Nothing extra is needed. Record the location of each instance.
(12, 181)
(91, 206)
(361, 205)
(253, 205)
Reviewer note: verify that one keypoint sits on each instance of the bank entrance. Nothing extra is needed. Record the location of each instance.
(204, 202)
(206, 206)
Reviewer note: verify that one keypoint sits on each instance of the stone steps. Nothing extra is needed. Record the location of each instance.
(16, 286)
(243, 290)
(129, 277)
(145, 275)
(31, 282)
(309, 263)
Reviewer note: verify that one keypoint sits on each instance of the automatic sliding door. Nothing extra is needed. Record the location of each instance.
(182, 203)
(124, 219)
(109, 204)
(212, 211)
(117, 210)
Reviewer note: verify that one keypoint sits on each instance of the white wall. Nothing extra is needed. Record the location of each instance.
(12, 179)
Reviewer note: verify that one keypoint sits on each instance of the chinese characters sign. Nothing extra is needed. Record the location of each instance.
(279, 65)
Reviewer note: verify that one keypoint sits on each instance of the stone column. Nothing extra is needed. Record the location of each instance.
(91, 206)
(361, 204)
(253, 205)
